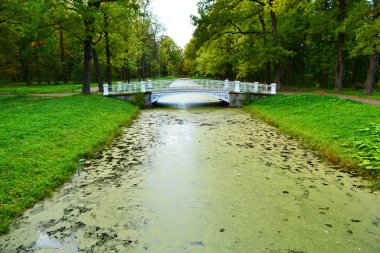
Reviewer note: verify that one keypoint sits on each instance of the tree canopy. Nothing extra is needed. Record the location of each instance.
(321, 42)
(58, 41)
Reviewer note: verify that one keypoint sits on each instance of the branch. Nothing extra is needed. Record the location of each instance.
(70, 5)
(76, 36)
(257, 1)
(98, 40)
(7, 21)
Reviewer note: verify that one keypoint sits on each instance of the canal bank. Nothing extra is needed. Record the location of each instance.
(203, 180)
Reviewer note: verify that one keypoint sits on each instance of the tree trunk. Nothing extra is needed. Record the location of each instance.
(371, 75)
(62, 54)
(268, 76)
(88, 22)
(86, 89)
(373, 68)
(37, 66)
(99, 76)
(108, 51)
(277, 68)
(340, 62)
(26, 72)
(277, 74)
(354, 73)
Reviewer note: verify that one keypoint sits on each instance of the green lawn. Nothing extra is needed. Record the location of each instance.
(359, 93)
(348, 92)
(41, 89)
(42, 139)
(344, 131)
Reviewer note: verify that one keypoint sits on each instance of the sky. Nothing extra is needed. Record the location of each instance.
(175, 16)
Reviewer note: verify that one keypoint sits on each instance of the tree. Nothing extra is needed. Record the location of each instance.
(367, 31)
(340, 61)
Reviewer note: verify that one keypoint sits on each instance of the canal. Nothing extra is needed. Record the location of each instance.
(203, 179)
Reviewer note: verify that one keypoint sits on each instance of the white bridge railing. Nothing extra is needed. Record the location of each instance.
(197, 84)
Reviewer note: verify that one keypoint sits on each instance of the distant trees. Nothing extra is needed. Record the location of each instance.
(324, 42)
(58, 41)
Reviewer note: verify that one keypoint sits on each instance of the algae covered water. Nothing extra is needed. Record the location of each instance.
(203, 180)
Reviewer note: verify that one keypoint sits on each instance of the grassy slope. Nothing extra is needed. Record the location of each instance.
(43, 89)
(359, 93)
(42, 139)
(344, 131)
(21, 88)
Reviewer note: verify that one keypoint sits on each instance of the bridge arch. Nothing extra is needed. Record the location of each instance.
(220, 95)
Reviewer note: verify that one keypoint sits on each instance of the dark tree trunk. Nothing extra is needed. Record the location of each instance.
(62, 54)
(86, 89)
(277, 68)
(340, 64)
(108, 51)
(373, 68)
(88, 22)
(98, 70)
(128, 74)
(26, 72)
(37, 66)
(277, 74)
(371, 75)
(268, 75)
(340, 61)
(354, 73)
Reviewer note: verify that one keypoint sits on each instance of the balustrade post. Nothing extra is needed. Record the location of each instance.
(119, 89)
(237, 86)
(273, 88)
(256, 87)
(143, 86)
(149, 84)
(226, 84)
(105, 90)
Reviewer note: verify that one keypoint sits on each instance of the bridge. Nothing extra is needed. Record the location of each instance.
(230, 92)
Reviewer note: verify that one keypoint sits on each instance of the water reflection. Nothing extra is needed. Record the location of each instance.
(190, 100)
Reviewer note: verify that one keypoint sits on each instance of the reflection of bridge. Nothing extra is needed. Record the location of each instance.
(231, 92)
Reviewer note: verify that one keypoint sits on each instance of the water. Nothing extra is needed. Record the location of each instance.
(206, 179)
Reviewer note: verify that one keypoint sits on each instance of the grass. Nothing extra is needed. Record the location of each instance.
(23, 89)
(43, 89)
(42, 139)
(349, 92)
(359, 93)
(343, 131)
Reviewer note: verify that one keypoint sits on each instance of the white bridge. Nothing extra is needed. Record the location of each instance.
(164, 88)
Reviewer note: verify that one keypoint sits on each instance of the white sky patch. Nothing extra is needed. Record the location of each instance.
(175, 16)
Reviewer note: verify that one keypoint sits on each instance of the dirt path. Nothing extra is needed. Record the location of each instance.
(359, 99)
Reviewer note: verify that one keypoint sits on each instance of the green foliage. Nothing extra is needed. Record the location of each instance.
(291, 42)
(344, 131)
(139, 99)
(366, 146)
(170, 57)
(42, 140)
(43, 40)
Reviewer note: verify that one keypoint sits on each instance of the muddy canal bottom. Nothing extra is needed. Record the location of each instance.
(203, 180)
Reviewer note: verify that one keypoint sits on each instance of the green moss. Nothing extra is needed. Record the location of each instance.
(343, 131)
(42, 140)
